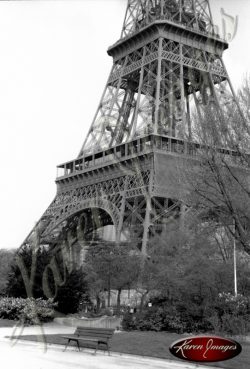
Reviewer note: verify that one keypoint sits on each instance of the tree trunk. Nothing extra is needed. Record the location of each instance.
(98, 303)
(143, 300)
(118, 303)
(109, 291)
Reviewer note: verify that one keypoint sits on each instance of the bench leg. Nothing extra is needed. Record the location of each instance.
(108, 349)
(96, 347)
(78, 345)
(66, 346)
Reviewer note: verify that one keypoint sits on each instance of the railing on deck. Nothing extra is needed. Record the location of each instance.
(139, 147)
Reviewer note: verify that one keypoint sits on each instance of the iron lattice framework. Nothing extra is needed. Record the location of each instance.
(167, 68)
(190, 13)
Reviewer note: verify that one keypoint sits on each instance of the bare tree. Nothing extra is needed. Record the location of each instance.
(220, 188)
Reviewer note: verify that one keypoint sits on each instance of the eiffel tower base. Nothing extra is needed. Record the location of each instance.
(137, 193)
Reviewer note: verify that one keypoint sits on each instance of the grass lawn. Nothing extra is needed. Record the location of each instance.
(154, 344)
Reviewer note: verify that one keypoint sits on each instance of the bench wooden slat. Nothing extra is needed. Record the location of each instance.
(95, 330)
(93, 335)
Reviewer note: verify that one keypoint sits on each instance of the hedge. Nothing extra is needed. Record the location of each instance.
(30, 311)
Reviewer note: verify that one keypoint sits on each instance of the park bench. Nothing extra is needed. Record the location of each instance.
(95, 336)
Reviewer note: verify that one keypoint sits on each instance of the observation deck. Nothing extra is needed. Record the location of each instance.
(138, 148)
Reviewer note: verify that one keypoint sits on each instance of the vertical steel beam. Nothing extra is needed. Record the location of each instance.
(162, 8)
(146, 224)
(158, 86)
(195, 13)
(170, 101)
(210, 15)
(139, 92)
(118, 86)
(122, 210)
(188, 118)
(182, 85)
(214, 90)
(125, 19)
(180, 10)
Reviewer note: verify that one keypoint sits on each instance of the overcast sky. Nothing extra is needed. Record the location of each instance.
(53, 68)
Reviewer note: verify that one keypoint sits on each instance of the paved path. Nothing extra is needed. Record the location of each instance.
(31, 355)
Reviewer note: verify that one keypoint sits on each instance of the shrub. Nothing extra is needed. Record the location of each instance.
(154, 319)
(234, 305)
(234, 325)
(29, 311)
(231, 314)
(38, 311)
(226, 314)
(129, 322)
(165, 318)
(11, 308)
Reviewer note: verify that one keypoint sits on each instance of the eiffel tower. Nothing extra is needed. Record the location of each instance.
(167, 65)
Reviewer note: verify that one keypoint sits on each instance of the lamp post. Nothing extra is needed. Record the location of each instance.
(109, 289)
(109, 278)
(235, 263)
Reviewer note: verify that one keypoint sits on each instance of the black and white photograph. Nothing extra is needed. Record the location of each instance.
(125, 184)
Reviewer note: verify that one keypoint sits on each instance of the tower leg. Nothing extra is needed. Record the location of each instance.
(121, 216)
(146, 226)
(148, 211)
